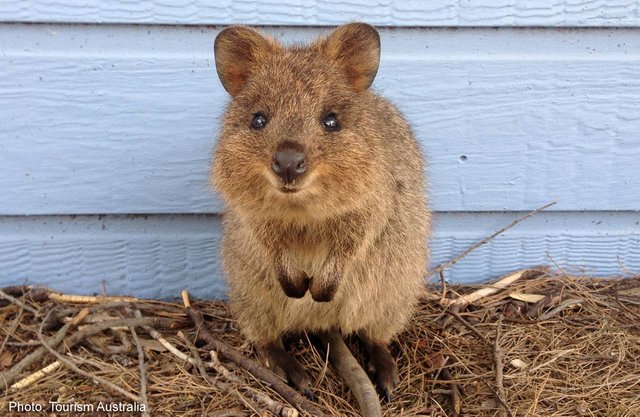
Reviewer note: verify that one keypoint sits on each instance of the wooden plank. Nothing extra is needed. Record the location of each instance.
(150, 256)
(157, 256)
(592, 243)
(592, 13)
(98, 120)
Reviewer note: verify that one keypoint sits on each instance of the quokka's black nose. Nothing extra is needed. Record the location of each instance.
(289, 164)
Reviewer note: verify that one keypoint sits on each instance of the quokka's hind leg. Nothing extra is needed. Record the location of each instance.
(285, 365)
(382, 365)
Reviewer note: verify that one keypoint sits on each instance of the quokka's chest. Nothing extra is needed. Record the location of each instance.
(309, 250)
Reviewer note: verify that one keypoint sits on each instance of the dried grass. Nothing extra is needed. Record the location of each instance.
(576, 352)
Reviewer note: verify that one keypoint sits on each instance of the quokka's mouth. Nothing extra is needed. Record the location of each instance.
(289, 190)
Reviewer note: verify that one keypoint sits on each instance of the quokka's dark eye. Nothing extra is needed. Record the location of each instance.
(330, 122)
(259, 121)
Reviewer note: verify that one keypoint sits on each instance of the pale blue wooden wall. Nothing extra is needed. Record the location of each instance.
(108, 113)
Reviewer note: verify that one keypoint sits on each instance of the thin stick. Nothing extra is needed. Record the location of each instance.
(487, 239)
(221, 370)
(78, 318)
(143, 372)
(443, 283)
(470, 327)
(36, 376)
(168, 345)
(88, 299)
(164, 342)
(185, 298)
(289, 394)
(353, 374)
(454, 392)
(19, 303)
(71, 365)
(558, 309)
(498, 358)
(428, 295)
(323, 373)
(109, 324)
(16, 290)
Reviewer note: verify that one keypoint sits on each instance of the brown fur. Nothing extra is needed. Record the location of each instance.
(355, 232)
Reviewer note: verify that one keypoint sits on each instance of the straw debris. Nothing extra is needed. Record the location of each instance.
(544, 344)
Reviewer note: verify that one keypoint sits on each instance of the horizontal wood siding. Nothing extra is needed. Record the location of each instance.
(157, 256)
(122, 119)
(590, 13)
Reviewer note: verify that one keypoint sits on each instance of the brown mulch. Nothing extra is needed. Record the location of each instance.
(552, 345)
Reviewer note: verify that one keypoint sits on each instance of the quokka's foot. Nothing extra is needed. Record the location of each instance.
(383, 367)
(285, 365)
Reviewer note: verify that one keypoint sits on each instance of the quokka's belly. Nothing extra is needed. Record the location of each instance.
(369, 296)
(342, 313)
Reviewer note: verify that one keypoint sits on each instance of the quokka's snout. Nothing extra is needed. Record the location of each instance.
(289, 162)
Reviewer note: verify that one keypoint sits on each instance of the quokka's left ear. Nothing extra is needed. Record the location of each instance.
(238, 51)
(355, 47)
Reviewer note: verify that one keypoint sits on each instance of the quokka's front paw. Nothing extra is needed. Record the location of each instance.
(295, 286)
(324, 288)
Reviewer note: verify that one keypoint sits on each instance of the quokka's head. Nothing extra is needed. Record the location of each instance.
(298, 137)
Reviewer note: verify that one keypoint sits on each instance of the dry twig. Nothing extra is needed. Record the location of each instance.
(453, 392)
(164, 342)
(18, 302)
(498, 359)
(487, 239)
(143, 372)
(88, 299)
(36, 376)
(110, 324)
(566, 304)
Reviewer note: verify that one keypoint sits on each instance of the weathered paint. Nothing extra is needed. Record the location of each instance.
(159, 255)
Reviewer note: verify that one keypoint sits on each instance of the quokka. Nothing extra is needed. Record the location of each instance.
(326, 221)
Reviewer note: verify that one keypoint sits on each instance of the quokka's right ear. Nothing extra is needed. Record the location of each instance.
(238, 50)
(355, 47)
